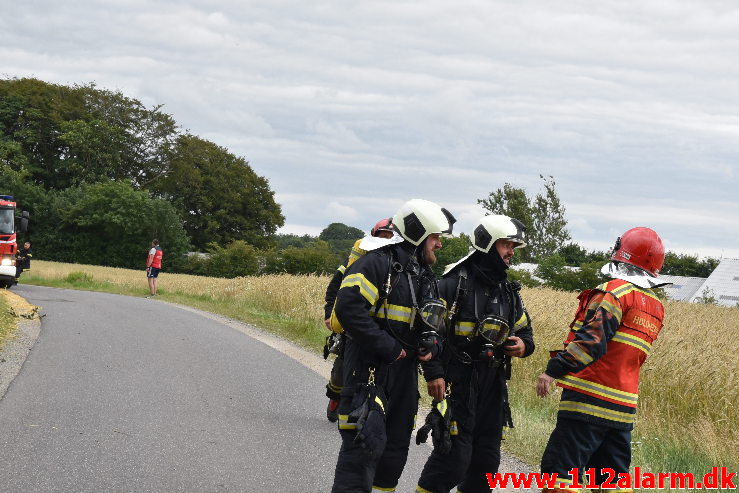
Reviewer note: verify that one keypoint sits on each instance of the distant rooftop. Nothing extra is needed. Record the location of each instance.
(722, 284)
(682, 288)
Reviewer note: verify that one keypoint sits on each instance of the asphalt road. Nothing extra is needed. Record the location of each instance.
(130, 394)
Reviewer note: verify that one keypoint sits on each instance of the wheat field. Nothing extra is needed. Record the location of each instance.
(688, 418)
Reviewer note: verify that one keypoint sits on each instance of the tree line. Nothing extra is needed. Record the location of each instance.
(102, 174)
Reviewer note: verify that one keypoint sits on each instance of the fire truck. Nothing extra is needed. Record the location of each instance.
(8, 244)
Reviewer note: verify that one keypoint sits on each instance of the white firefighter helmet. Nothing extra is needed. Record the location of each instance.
(492, 228)
(419, 218)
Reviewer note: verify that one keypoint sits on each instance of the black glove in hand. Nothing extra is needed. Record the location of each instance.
(370, 419)
(438, 422)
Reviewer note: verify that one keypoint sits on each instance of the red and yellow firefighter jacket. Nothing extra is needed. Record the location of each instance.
(610, 338)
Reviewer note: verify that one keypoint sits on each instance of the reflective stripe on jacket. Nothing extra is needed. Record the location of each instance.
(610, 338)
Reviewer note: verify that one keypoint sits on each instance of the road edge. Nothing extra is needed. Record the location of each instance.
(315, 362)
(13, 355)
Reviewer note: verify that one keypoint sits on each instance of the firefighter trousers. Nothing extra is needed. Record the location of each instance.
(355, 471)
(583, 445)
(478, 400)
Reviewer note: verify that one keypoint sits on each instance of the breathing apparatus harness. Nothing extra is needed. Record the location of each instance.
(431, 312)
(492, 329)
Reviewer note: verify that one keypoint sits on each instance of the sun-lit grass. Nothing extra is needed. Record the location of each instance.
(687, 420)
(7, 320)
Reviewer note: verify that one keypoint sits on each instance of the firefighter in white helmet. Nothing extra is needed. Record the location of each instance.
(389, 307)
(487, 326)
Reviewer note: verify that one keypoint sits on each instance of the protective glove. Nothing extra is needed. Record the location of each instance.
(326, 347)
(438, 422)
(369, 415)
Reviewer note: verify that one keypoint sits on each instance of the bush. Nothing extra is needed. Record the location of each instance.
(78, 278)
(314, 258)
(525, 278)
(557, 275)
(238, 259)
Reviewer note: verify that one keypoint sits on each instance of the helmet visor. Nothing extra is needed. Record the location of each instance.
(493, 329)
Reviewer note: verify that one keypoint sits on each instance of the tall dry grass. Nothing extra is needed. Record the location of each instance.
(688, 415)
(688, 418)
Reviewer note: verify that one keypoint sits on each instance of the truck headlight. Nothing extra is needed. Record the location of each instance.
(7, 261)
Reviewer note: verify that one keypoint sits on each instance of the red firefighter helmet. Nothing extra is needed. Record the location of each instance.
(382, 225)
(641, 247)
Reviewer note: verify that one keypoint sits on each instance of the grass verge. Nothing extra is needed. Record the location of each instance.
(688, 419)
(8, 322)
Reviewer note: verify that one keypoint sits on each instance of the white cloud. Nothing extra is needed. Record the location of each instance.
(349, 109)
(338, 212)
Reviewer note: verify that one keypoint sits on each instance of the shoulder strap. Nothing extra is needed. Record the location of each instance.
(459, 296)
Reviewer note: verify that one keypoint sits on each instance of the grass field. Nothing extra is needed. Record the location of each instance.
(7, 319)
(688, 418)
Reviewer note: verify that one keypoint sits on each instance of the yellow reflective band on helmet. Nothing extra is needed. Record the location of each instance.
(344, 423)
(380, 488)
(366, 288)
(453, 428)
(579, 353)
(379, 401)
(633, 340)
(618, 395)
(464, 329)
(419, 489)
(597, 411)
(398, 313)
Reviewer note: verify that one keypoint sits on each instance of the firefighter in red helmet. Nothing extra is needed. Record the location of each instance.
(610, 337)
(335, 342)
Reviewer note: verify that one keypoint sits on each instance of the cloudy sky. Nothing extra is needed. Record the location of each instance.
(350, 108)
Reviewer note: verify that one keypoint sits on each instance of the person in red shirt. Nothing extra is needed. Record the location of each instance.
(153, 266)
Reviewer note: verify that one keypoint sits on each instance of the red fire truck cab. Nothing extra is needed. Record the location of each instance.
(8, 244)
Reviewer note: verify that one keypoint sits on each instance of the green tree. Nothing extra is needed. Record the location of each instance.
(237, 259)
(543, 215)
(316, 258)
(558, 275)
(107, 224)
(340, 237)
(522, 276)
(452, 250)
(65, 136)
(223, 199)
(688, 265)
(283, 240)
